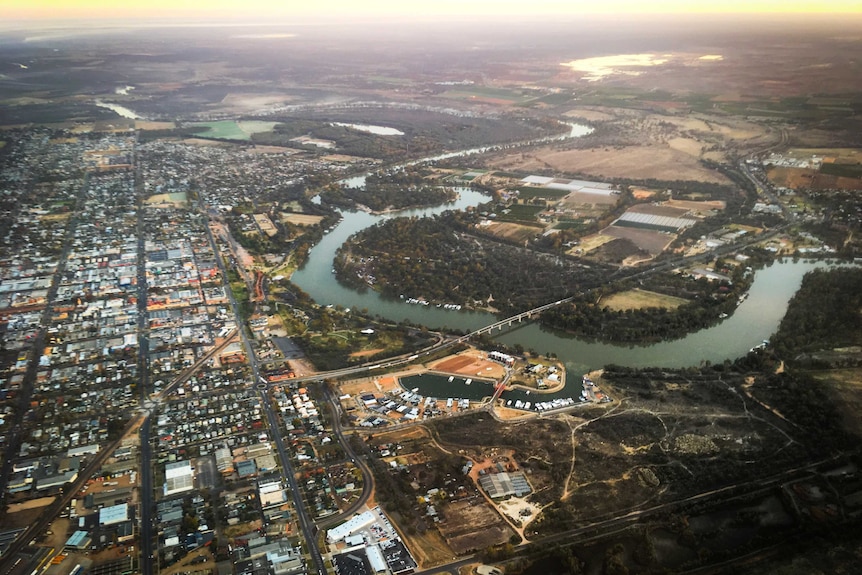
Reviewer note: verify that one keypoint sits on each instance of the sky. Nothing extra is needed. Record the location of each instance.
(270, 10)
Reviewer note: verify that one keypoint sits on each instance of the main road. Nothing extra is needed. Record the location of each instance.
(288, 475)
(367, 476)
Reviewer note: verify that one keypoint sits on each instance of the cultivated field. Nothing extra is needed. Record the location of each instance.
(648, 240)
(639, 299)
(658, 161)
(599, 201)
(589, 114)
(148, 125)
(512, 231)
(799, 178)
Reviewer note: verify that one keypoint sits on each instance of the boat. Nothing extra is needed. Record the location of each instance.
(468, 381)
(451, 377)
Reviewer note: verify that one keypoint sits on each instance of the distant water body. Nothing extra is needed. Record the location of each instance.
(120, 110)
(378, 130)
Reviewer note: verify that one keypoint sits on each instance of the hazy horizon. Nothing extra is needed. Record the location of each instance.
(269, 11)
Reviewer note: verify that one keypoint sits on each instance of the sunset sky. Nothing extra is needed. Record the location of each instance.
(321, 9)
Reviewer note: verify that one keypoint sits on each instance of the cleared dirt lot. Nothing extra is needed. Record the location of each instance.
(471, 362)
(301, 219)
(658, 161)
(512, 231)
(473, 525)
(639, 299)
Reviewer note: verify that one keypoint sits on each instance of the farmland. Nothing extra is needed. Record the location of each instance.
(656, 161)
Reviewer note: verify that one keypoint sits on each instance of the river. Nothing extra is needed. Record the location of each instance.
(756, 319)
(753, 321)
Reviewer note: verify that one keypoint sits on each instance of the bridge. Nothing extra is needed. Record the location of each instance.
(504, 323)
(409, 358)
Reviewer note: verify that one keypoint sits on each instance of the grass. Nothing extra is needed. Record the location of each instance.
(233, 130)
(640, 299)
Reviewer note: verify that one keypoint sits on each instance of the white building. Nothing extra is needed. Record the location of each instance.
(179, 477)
(356, 523)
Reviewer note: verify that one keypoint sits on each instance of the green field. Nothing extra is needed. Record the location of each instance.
(472, 92)
(530, 192)
(520, 213)
(842, 170)
(233, 130)
(570, 225)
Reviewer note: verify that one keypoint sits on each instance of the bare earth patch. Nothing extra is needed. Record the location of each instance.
(640, 299)
(31, 504)
(367, 352)
(591, 243)
(473, 525)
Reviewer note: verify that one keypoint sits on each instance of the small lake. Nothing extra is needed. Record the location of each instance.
(120, 110)
(372, 129)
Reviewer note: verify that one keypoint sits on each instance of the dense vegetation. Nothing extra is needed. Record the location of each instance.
(824, 314)
(391, 190)
(707, 301)
(430, 258)
(347, 140)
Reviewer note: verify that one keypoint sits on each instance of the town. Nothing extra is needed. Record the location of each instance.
(283, 305)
